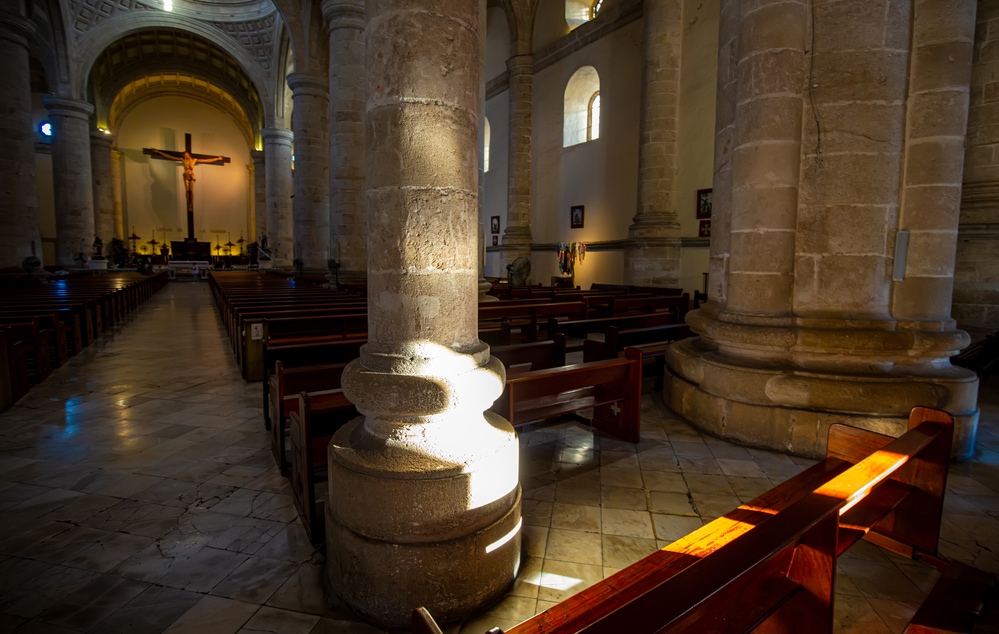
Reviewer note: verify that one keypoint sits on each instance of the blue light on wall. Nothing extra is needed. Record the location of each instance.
(45, 128)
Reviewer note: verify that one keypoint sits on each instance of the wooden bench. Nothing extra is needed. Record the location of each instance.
(14, 379)
(312, 425)
(613, 389)
(651, 342)
(538, 355)
(583, 328)
(281, 399)
(770, 565)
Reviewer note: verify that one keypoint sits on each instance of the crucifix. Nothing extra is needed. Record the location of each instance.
(189, 160)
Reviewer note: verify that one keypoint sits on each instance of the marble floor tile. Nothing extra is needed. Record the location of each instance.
(213, 615)
(137, 496)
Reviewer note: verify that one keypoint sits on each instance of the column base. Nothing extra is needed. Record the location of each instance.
(653, 262)
(790, 410)
(383, 581)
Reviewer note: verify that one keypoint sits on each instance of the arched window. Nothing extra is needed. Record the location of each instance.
(486, 133)
(593, 117)
(579, 12)
(581, 121)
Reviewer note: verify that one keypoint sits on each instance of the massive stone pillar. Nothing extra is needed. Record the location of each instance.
(976, 279)
(312, 168)
(259, 195)
(280, 225)
(118, 211)
(840, 164)
(100, 161)
(653, 257)
(517, 235)
(73, 185)
(425, 509)
(347, 103)
(20, 237)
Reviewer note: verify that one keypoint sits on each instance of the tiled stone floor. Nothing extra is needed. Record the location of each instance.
(138, 494)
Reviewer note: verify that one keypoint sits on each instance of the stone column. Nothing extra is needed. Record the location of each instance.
(426, 500)
(653, 257)
(73, 184)
(20, 237)
(721, 212)
(116, 203)
(310, 95)
(832, 155)
(259, 195)
(349, 239)
(976, 278)
(280, 225)
(517, 235)
(100, 161)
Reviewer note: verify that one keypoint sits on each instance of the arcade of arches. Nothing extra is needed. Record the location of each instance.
(848, 148)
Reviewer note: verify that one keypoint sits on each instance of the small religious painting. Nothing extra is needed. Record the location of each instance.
(494, 224)
(704, 230)
(703, 203)
(576, 217)
(495, 241)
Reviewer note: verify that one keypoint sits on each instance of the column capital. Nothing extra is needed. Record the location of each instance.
(344, 14)
(16, 28)
(276, 136)
(63, 107)
(101, 139)
(309, 84)
(520, 65)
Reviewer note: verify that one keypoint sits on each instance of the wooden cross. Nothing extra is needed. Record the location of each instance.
(189, 160)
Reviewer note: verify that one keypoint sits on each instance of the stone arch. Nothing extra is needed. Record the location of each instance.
(511, 17)
(107, 33)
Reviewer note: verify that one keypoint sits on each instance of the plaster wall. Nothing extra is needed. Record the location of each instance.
(696, 129)
(497, 42)
(602, 174)
(494, 200)
(154, 190)
(694, 262)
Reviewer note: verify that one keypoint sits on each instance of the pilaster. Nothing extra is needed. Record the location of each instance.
(310, 94)
(280, 232)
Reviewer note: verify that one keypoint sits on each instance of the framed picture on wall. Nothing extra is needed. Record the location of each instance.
(494, 224)
(495, 241)
(703, 203)
(704, 230)
(576, 217)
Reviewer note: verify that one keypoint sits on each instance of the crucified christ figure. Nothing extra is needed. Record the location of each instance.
(188, 159)
(189, 163)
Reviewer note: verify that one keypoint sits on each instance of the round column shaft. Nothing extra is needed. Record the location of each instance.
(654, 258)
(280, 225)
(104, 212)
(73, 184)
(20, 237)
(517, 235)
(349, 240)
(312, 179)
(259, 195)
(116, 203)
(425, 498)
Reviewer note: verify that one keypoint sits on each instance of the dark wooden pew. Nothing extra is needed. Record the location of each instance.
(612, 388)
(14, 379)
(770, 565)
(581, 329)
(651, 342)
(312, 425)
(538, 355)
